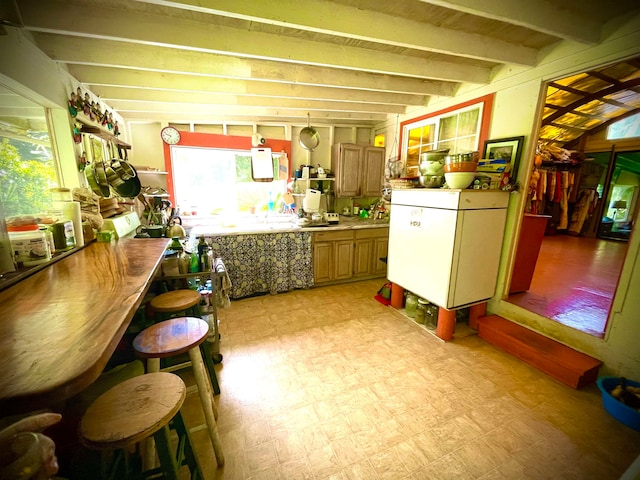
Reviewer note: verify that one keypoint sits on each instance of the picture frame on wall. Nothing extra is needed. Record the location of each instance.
(502, 155)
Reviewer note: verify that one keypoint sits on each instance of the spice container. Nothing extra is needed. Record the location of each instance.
(411, 303)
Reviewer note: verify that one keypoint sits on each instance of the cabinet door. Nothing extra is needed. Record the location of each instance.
(347, 164)
(343, 259)
(372, 171)
(362, 257)
(380, 249)
(322, 262)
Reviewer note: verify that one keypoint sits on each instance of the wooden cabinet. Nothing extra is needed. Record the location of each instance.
(332, 256)
(348, 254)
(370, 246)
(359, 170)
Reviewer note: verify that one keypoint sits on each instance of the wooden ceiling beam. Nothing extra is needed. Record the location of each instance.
(91, 51)
(538, 15)
(362, 24)
(111, 95)
(130, 108)
(189, 35)
(123, 77)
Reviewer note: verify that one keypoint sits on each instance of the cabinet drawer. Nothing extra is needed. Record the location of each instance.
(332, 236)
(372, 233)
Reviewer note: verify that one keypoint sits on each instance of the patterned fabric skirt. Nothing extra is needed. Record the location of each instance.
(260, 263)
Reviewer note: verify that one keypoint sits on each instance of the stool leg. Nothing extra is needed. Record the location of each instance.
(188, 452)
(206, 398)
(148, 447)
(205, 350)
(167, 460)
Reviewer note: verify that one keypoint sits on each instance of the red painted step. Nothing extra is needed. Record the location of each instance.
(563, 363)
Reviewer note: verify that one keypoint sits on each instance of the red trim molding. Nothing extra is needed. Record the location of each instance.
(485, 123)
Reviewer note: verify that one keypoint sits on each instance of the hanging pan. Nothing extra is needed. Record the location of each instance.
(309, 137)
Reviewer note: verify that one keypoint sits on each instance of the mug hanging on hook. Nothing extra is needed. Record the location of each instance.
(309, 137)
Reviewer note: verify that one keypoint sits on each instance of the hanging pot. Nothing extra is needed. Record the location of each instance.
(309, 137)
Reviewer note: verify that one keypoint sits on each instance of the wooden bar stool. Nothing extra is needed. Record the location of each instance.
(184, 303)
(174, 337)
(174, 302)
(134, 410)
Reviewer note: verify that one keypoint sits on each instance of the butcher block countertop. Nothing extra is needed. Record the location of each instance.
(60, 326)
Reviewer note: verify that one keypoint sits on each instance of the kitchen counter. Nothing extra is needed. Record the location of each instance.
(61, 325)
(346, 223)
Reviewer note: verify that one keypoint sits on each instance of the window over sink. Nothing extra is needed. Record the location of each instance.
(212, 181)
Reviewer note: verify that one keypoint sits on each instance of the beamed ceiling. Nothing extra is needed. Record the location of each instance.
(343, 62)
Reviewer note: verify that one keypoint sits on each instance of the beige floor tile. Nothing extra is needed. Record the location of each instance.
(327, 383)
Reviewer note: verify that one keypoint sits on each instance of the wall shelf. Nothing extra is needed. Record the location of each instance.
(94, 128)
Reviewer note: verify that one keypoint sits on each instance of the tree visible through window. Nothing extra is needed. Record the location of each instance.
(27, 172)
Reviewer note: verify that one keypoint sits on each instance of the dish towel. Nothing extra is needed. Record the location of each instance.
(223, 284)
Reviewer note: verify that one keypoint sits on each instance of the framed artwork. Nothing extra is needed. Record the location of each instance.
(507, 150)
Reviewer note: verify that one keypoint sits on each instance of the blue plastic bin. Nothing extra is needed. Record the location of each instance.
(616, 408)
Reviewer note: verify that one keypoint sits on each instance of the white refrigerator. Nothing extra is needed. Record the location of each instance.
(445, 244)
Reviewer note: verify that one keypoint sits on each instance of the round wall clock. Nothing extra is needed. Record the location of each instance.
(170, 135)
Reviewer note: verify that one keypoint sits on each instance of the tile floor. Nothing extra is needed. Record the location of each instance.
(575, 281)
(327, 383)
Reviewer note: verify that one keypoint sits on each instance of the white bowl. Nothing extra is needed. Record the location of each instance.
(459, 179)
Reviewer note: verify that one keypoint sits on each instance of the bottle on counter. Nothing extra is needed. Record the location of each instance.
(194, 264)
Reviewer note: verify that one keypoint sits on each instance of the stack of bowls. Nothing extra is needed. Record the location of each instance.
(432, 165)
(460, 169)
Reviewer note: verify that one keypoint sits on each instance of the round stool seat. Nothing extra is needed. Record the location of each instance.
(171, 337)
(175, 301)
(132, 411)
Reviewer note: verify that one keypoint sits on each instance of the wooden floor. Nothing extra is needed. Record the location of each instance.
(575, 281)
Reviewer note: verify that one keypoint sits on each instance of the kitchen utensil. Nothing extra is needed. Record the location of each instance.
(112, 177)
(431, 181)
(309, 138)
(461, 167)
(459, 179)
(101, 178)
(130, 188)
(141, 232)
(175, 230)
(462, 157)
(123, 169)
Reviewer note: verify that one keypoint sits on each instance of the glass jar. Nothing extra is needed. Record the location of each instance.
(431, 315)
(421, 311)
(410, 305)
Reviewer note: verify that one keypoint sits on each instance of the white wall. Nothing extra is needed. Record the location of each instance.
(516, 112)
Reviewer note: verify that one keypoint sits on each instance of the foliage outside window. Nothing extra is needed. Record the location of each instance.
(458, 131)
(214, 181)
(27, 172)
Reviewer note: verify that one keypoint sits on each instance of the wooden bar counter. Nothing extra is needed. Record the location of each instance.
(60, 326)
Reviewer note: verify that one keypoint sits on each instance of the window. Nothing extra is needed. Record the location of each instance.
(626, 128)
(459, 129)
(27, 165)
(213, 181)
